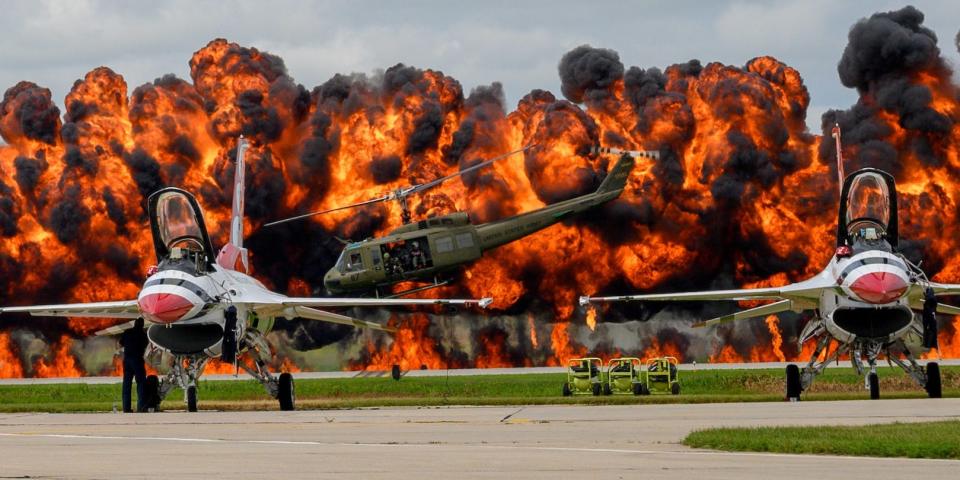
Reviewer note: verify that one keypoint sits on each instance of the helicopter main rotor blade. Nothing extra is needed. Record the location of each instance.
(403, 192)
(344, 207)
(433, 183)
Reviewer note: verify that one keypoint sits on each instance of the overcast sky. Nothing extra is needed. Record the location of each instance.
(53, 43)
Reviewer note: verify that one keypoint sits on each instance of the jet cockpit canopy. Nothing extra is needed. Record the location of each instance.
(868, 209)
(179, 234)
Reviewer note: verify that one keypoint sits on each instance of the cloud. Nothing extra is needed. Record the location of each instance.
(52, 43)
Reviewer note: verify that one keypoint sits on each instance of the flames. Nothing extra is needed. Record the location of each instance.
(743, 193)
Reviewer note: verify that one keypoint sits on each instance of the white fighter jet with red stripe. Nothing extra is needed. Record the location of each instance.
(199, 304)
(864, 299)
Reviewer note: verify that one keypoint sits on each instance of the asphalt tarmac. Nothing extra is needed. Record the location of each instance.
(635, 441)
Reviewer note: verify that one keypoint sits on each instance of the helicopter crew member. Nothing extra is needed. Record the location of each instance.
(417, 258)
(134, 343)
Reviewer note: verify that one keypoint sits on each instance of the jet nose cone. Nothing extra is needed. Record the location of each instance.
(879, 287)
(164, 307)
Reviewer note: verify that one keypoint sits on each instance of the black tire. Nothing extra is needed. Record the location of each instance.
(285, 392)
(675, 388)
(638, 389)
(644, 389)
(566, 390)
(596, 389)
(933, 386)
(191, 399)
(794, 386)
(395, 372)
(607, 390)
(874, 382)
(151, 393)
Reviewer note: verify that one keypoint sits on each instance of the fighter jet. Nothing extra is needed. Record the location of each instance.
(864, 300)
(200, 304)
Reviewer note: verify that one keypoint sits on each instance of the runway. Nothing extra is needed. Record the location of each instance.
(636, 441)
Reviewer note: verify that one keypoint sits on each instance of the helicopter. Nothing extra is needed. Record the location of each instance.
(422, 251)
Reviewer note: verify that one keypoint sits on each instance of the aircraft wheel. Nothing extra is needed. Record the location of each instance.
(607, 390)
(874, 382)
(675, 388)
(285, 392)
(933, 387)
(794, 386)
(595, 389)
(191, 398)
(566, 390)
(151, 392)
(395, 372)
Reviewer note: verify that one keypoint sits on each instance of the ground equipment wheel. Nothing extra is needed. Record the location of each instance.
(644, 389)
(285, 393)
(596, 389)
(675, 388)
(395, 371)
(933, 380)
(794, 387)
(151, 393)
(607, 390)
(191, 398)
(566, 390)
(874, 382)
(638, 389)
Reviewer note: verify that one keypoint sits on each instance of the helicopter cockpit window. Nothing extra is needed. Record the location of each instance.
(355, 262)
(868, 207)
(341, 262)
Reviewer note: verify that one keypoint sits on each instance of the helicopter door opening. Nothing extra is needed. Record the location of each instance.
(868, 210)
(406, 256)
(179, 236)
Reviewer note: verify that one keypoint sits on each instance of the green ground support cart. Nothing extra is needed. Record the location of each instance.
(583, 377)
(623, 377)
(662, 377)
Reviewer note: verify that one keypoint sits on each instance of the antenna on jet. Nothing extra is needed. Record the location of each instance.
(597, 149)
(835, 133)
(401, 194)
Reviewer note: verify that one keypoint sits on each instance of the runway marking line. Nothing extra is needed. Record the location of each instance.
(488, 447)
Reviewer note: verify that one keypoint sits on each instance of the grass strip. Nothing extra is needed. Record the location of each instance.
(911, 440)
(703, 386)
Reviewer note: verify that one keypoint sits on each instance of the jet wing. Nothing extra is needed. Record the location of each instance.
(302, 307)
(761, 311)
(944, 289)
(116, 329)
(120, 309)
(314, 314)
(808, 291)
(377, 302)
(799, 296)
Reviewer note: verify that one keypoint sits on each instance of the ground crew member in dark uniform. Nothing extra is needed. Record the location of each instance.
(134, 343)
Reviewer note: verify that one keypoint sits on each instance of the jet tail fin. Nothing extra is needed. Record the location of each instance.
(233, 255)
(616, 179)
